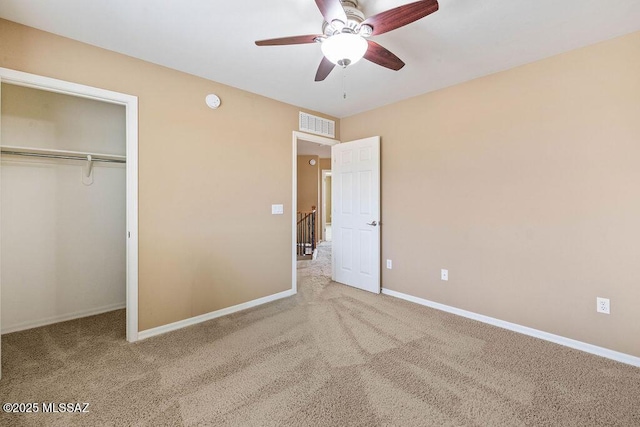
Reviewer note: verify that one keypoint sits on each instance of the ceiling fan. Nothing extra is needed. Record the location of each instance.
(345, 33)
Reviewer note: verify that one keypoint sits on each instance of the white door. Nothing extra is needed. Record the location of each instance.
(356, 213)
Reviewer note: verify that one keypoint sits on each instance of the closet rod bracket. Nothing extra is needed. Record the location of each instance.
(87, 176)
(89, 166)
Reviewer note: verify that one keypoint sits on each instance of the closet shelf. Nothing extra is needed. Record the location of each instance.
(61, 154)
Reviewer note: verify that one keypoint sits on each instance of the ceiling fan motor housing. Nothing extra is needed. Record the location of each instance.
(354, 18)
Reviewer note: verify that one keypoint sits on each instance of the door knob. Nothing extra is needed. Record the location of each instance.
(372, 223)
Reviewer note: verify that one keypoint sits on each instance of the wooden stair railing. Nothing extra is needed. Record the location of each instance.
(306, 230)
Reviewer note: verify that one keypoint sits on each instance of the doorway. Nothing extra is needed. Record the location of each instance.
(311, 154)
(130, 104)
(355, 210)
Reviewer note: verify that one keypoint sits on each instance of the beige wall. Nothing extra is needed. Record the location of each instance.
(325, 164)
(526, 185)
(198, 225)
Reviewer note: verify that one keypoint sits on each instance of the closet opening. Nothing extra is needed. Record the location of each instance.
(68, 203)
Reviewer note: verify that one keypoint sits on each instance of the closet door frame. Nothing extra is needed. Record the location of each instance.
(130, 103)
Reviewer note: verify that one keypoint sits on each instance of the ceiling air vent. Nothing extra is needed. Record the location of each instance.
(317, 125)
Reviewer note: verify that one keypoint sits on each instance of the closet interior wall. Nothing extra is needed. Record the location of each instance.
(62, 241)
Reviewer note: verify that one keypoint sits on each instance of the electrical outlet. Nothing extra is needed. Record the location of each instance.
(389, 264)
(602, 305)
(444, 274)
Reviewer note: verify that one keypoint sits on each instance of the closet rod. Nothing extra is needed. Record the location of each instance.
(61, 156)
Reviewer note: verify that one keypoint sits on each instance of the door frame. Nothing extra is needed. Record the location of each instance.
(294, 196)
(325, 173)
(130, 103)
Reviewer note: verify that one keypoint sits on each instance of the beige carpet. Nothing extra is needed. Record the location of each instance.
(331, 355)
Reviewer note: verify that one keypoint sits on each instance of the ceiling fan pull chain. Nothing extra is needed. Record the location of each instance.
(344, 84)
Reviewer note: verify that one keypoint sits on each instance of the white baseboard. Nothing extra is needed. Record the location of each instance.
(568, 342)
(214, 314)
(62, 318)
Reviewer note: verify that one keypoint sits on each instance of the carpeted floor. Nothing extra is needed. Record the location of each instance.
(331, 355)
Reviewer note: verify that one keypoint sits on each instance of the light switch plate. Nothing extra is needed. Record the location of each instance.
(277, 209)
(444, 274)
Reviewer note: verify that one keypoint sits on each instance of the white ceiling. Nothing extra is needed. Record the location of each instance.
(214, 39)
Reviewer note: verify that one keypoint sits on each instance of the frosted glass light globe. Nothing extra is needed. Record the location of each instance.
(344, 49)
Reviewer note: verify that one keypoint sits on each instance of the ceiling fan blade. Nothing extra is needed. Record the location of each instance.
(400, 16)
(311, 38)
(332, 10)
(324, 69)
(381, 56)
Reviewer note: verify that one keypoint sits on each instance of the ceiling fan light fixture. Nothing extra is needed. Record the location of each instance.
(344, 48)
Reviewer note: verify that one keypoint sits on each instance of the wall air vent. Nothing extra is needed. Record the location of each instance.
(317, 125)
